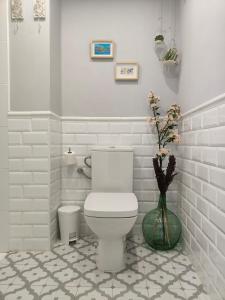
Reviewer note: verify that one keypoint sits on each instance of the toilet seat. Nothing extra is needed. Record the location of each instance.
(111, 205)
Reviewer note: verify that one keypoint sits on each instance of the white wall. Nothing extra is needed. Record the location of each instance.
(82, 135)
(35, 60)
(201, 164)
(30, 62)
(88, 87)
(34, 176)
(203, 51)
(4, 87)
(55, 56)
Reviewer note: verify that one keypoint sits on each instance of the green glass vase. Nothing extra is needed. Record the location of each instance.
(161, 227)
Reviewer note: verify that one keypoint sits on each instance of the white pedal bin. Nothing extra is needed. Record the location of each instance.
(69, 223)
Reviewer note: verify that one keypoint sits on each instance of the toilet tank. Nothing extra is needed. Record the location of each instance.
(112, 169)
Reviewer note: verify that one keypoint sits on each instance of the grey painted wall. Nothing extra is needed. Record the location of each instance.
(35, 60)
(29, 62)
(55, 56)
(88, 87)
(41, 66)
(203, 51)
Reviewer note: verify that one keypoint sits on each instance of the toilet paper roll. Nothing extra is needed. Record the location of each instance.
(69, 158)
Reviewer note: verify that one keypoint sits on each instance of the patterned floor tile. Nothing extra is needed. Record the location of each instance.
(83, 291)
(26, 267)
(45, 281)
(138, 239)
(58, 294)
(3, 290)
(97, 294)
(4, 262)
(63, 249)
(97, 277)
(161, 277)
(131, 258)
(131, 295)
(56, 262)
(181, 260)
(88, 250)
(66, 275)
(23, 294)
(153, 285)
(196, 296)
(153, 293)
(170, 296)
(85, 266)
(140, 251)
(129, 277)
(130, 244)
(54, 269)
(73, 257)
(143, 267)
(141, 291)
(45, 256)
(190, 280)
(34, 274)
(156, 259)
(18, 257)
(177, 292)
(70, 272)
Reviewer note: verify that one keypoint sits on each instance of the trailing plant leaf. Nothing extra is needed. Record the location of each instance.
(171, 54)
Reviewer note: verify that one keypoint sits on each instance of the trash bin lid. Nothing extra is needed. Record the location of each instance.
(69, 209)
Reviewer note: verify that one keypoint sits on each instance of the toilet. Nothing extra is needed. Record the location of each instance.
(111, 208)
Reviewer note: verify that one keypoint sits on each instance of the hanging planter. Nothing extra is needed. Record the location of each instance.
(171, 57)
(159, 39)
(160, 46)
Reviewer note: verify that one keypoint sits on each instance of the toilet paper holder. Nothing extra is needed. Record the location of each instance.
(69, 158)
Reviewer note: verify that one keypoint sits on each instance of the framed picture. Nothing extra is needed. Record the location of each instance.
(102, 49)
(126, 71)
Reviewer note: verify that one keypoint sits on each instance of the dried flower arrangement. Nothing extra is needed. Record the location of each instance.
(161, 227)
(166, 128)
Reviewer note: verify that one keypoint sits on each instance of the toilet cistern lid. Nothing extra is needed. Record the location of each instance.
(111, 205)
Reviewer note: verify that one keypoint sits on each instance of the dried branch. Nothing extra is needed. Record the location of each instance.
(164, 180)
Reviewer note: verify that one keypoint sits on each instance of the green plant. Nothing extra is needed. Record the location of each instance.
(159, 38)
(171, 54)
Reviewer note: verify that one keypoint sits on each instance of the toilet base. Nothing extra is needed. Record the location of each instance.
(111, 255)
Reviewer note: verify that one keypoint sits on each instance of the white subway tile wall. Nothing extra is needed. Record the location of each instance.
(201, 191)
(55, 175)
(81, 136)
(39, 183)
(34, 177)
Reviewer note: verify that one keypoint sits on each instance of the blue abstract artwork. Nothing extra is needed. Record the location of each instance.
(102, 49)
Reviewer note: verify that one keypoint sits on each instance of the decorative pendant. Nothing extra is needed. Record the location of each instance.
(16, 10)
(39, 10)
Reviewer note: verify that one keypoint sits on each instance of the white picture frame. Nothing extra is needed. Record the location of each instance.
(126, 71)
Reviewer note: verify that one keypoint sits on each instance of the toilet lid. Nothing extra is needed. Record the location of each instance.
(111, 205)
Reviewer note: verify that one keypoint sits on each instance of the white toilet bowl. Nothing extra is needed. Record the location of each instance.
(111, 216)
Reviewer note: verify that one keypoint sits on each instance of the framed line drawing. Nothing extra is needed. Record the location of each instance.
(127, 71)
